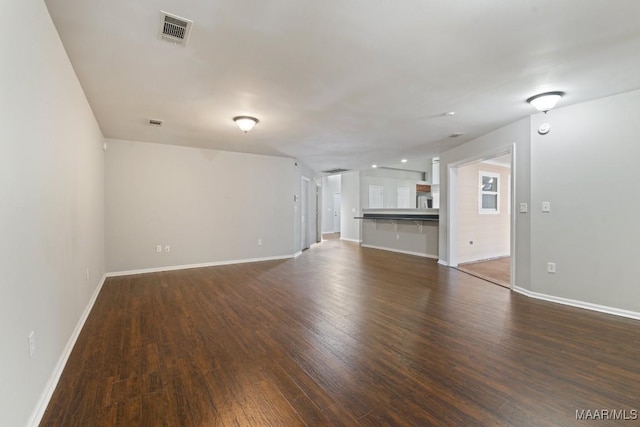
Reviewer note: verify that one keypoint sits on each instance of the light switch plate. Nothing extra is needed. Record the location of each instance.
(523, 208)
(546, 206)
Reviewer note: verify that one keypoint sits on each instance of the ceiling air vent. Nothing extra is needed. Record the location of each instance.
(155, 122)
(456, 134)
(336, 170)
(174, 28)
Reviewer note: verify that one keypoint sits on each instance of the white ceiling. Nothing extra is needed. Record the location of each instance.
(339, 83)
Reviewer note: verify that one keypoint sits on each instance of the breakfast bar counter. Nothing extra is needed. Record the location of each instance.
(410, 231)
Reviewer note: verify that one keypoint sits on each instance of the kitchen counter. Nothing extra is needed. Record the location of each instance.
(410, 231)
(401, 214)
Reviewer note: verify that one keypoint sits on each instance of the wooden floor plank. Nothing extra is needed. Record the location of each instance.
(496, 270)
(339, 336)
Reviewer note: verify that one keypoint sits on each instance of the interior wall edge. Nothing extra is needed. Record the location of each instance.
(45, 397)
(200, 265)
(578, 304)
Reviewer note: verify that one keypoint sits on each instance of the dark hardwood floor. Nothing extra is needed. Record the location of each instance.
(496, 271)
(340, 336)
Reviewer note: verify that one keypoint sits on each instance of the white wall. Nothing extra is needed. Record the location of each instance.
(586, 167)
(330, 185)
(209, 206)
(350, 206)
(487, 146)
(51, 214)
(490, 233)
(390, 180)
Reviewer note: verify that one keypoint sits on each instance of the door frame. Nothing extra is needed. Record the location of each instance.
(451, 221)
(304, 213)
(339, 211)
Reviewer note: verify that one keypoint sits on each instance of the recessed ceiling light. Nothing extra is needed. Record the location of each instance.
(374, 166)
(450, 113)
(404, 160)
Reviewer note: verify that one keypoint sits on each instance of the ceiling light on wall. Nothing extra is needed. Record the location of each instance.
(545, 101)
(245, 123)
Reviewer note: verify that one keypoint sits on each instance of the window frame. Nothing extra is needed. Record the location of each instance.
(489, 211)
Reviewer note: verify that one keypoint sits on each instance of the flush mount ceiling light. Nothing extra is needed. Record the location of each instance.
(404, 160)
(245, 123)
(545, 101)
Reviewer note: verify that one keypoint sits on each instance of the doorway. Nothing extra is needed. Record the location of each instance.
(482, 217)
(304, 209)
(337, 202)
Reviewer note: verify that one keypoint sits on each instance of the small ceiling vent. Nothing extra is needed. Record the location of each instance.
(336, 170)
(174, 28)
(456, 134)
(155, 122)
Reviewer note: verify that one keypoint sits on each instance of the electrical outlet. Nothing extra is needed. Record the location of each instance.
(551, 267)
(32, 343)
(546, 206)
(167, 248)
(259, 242)
(159, 248)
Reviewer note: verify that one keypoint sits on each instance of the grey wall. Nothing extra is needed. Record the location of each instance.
(350, 184)
(51, 214)
(404, 236)
(209, 206)
(487, 146)
(586, 168)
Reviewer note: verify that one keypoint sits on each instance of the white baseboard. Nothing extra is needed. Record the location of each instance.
(484, 258)
(204, 264)
(351, 240)
(442, 262)
(420, 254)
(578, 304)
(296, 255)
(52, 383)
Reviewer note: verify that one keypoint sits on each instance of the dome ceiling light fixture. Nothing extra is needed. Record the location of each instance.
(245, 123)
(545, 101)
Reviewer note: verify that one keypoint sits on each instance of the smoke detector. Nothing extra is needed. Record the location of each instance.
(174, 29)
